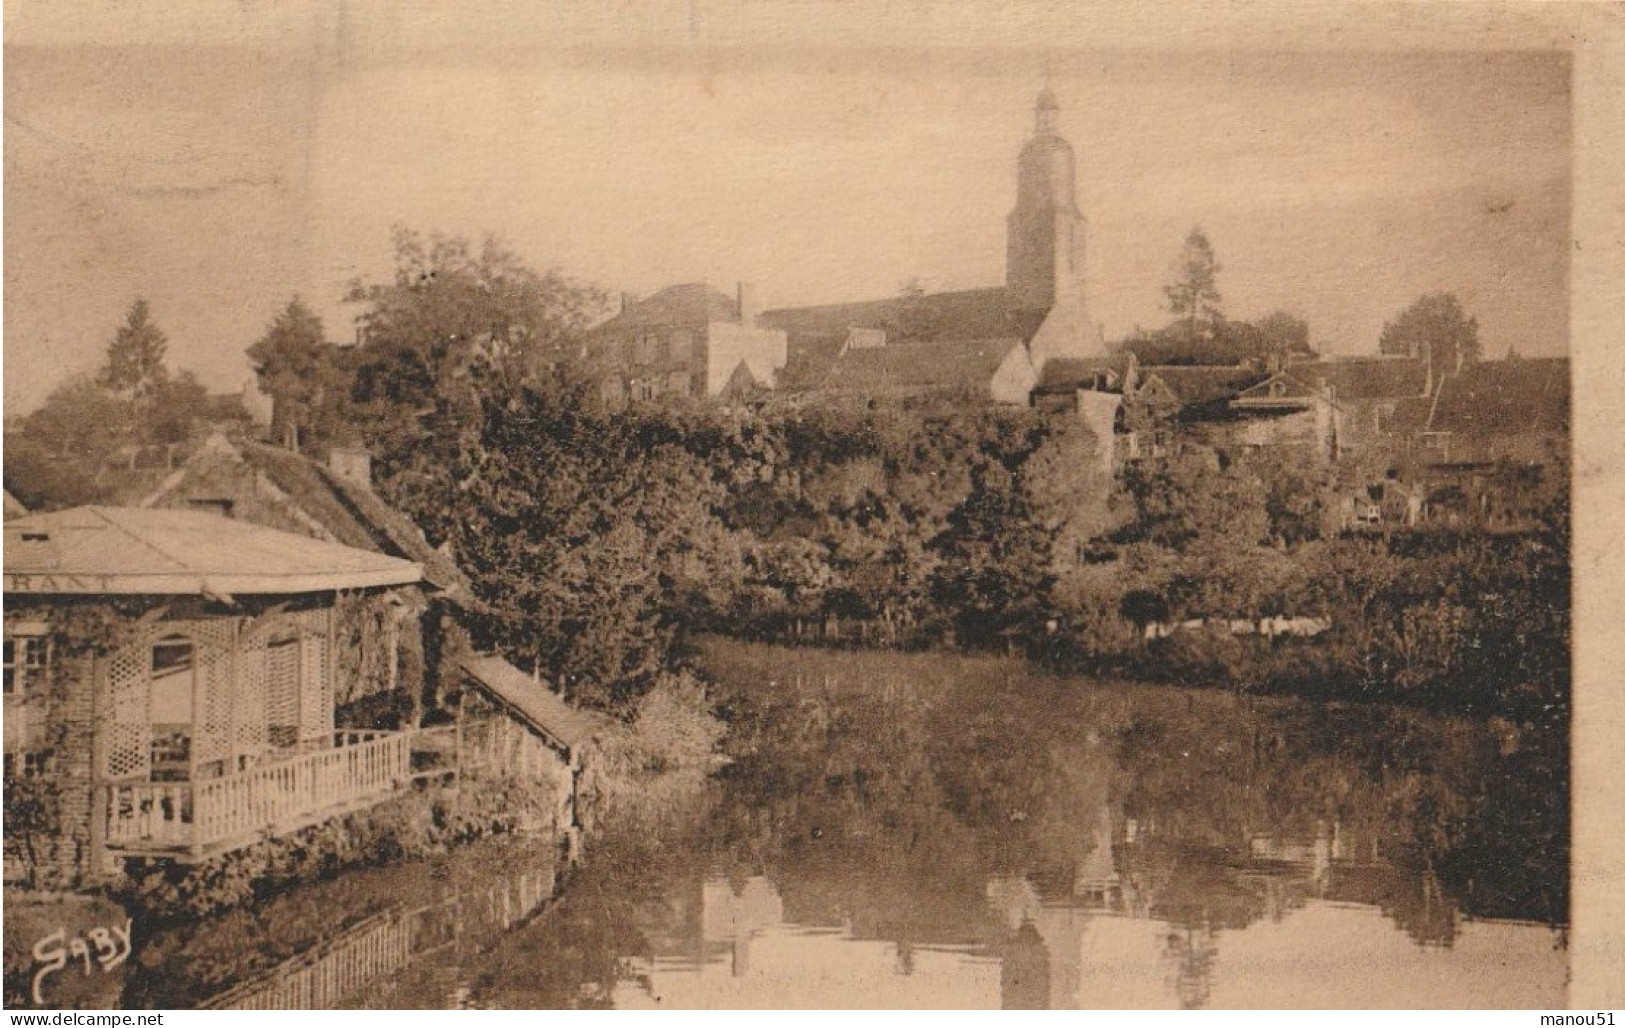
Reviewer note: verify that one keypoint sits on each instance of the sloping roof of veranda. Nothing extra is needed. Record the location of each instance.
(131, 551)
(531, 700)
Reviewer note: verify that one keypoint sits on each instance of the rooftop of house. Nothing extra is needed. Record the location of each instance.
(1199, 385)
(931, 317)
(348, 511)
(943, 366)
(689, 305)
(1515, 396)
(127, 550)
(1367, 378)
(1065, 374)
(809, 361)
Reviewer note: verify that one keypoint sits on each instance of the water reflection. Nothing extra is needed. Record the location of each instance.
(930, 832)
(1291, 924)
(327, 944)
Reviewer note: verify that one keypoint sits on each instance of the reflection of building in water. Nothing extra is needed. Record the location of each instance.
(327, 974)
(1096, 882)
(1056, 927)
(1330, 843)
(1144, 918)
(740, 952)
(1024, 976)
(733, 916)
(1192, 951)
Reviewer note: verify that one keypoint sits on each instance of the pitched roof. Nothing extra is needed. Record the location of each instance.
(14, 506)
(352, 514)
(967, 314)
(946, 365)
(692, 304)
(128, 550)
(538, 706)
(1410, 416)
(1199, 385)
(1367, 378)
(1064, 374)
(809, 361)
(1282, 391)
(1505, 397)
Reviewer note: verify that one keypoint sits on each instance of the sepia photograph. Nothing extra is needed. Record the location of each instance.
(721, 506)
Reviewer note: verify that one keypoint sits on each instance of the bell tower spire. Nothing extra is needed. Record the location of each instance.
(1044, 268)
(1044, 259)
(1045, 111)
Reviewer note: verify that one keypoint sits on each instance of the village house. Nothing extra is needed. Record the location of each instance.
(686, 340)
(276, 488)
(473, 713)
(1331, 410)
(173, 679)
(1368, 393)
(1490, 446)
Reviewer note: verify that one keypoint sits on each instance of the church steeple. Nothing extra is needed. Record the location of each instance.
(1045, 110)
(1044, 259)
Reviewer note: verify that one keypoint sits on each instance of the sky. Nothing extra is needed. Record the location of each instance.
(220, 161)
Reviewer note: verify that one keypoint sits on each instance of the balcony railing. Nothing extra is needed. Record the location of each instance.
(204, 818)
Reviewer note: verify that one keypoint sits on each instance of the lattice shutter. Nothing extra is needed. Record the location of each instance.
(316, 690)
(128, 753)
(249, 712)
(212, 726)
(213, 737)
(282, 691)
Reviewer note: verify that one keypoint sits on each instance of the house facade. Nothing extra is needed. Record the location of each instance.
(275, 488)
(686, 341)
(172, 684)
(492, 720)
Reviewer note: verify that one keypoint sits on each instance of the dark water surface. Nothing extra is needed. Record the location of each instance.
(931, 831)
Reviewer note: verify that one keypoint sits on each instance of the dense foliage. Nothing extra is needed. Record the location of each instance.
(597, 535)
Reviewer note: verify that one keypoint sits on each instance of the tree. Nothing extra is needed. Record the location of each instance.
(1193, 295)
(294, 365)
(450, 321)
(1434, 328)
(175, 407)
(1282, 335)
(1194, 499)
(134, 366)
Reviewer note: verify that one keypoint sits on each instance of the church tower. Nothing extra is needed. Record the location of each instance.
(1044, 260)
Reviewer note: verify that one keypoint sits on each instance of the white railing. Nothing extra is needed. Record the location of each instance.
(281, 795)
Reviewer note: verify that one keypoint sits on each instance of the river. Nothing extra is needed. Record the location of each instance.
(936, 831)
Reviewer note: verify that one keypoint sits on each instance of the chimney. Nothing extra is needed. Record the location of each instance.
(627, 300)
(748, 311)
(353, 465)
